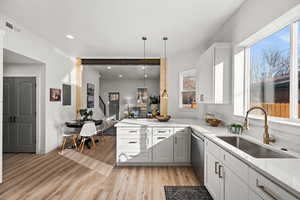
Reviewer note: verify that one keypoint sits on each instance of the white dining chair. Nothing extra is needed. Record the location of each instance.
(68, 133)
(88, 131)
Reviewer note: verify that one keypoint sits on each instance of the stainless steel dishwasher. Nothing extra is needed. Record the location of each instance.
(197, 156)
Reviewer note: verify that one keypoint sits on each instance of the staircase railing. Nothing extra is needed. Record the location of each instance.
(102, 105)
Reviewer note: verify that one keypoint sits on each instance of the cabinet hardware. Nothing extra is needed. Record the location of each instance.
(10, 119)
(267, 191)
(220, 172)
(175, 140)
(132, 142)
(132, 131)
(216, 167)
(162, 131)
(14, 119)
(161, 138)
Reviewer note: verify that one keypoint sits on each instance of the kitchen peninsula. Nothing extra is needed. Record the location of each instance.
(147, 142)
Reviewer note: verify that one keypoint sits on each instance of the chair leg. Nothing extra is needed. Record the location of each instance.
(74, 141)
(82, 144)
(63, 144)
(93, 142)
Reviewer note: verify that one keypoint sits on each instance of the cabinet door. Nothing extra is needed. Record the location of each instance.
(235, 188)
(205, 76)
(162, 148)
(182, 146)
(222, 74)
(212, 180)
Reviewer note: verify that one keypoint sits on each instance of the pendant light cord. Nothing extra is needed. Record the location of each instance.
(144, 38)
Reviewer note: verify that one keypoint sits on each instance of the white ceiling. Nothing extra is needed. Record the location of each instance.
(10, 57)
(113, 28)
(127, 71)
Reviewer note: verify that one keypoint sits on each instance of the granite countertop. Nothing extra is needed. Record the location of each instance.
(278, 170)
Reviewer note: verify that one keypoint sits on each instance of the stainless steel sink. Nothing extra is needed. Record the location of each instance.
(253, 149)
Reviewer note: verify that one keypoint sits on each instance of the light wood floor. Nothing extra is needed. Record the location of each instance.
(91, 175)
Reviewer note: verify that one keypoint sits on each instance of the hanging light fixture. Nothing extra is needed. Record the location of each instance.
(145, 76)
(165, 92)
(140, 95)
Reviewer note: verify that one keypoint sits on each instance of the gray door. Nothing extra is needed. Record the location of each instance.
(19, 132)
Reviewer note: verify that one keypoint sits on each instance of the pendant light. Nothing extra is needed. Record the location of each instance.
(140, 98)
(144, 39)
(165, 92)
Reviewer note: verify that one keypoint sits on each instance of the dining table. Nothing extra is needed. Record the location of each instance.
(78, 124)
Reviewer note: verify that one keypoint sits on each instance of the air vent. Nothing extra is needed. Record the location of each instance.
(12, 27)
(9, 25)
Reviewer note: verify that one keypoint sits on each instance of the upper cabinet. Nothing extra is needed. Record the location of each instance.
(214, 74)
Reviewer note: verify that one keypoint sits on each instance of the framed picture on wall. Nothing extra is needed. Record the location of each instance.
(90, 95)
(66, 95)
(55, 94)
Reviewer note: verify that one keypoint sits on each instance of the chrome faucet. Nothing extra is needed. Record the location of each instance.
(266, 137)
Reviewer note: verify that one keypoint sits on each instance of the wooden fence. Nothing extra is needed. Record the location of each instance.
(276, 109)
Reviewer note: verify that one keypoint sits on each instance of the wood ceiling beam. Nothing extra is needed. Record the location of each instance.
(133, 61)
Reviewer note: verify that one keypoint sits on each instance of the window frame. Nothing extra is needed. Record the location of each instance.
(294, 73)
(181, 90)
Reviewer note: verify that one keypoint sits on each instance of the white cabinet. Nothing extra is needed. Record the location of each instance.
(234, 187)
(182, 145)
(162, 145)
(228, 178)
(213, 182)
(214, 74)
(134, 145)
(153, 146)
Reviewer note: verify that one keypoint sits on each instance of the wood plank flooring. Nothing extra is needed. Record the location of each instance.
(90, 175)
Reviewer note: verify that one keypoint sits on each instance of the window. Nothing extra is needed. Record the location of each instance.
(271, 74)
(188, 89)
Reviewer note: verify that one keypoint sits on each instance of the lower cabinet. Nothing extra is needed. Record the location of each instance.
(182, 146)
(213, 182)
(162, 145)
(228, 178)
(155, 145)
(234, 187)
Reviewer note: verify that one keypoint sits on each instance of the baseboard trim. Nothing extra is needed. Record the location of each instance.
(153, 164)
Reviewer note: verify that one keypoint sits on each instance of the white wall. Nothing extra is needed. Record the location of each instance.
(127, 90)
(59, 69)
(90, 75)
(1, 103)
(252, 16)
(176, 64)
(38, 71)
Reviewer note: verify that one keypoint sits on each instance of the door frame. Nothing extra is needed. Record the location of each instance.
(38, 144)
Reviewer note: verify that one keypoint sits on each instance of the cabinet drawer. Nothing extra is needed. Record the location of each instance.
(131, 132)
(213, 148)
(266, 189)
(237, 166)
(181, 130)
(133, 143)
(162, 131)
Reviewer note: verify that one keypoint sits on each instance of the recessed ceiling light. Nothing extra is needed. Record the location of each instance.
(120, 75)
(71, 37)
(146, 76)
(108, 67)
(143, 67)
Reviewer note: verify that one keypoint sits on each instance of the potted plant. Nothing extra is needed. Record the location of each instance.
(154, 101)
(86, 114)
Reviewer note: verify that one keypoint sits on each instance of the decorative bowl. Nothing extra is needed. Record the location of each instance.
(163, 118)
(214, 122)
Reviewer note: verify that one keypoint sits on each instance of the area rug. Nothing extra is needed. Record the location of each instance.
(187, 193)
